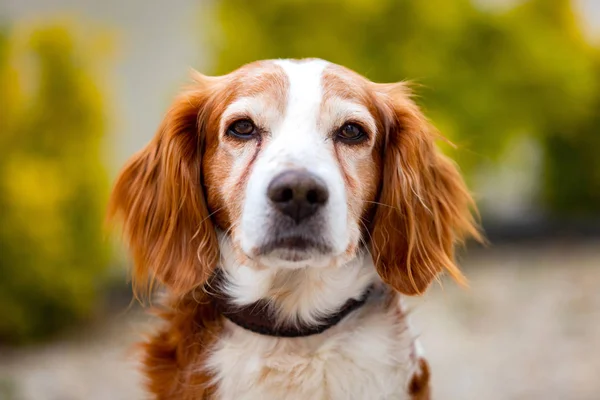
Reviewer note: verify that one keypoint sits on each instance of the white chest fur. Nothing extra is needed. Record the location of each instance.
(366, 356)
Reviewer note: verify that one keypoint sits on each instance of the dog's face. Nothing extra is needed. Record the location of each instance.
(293, 163)
(296, 164)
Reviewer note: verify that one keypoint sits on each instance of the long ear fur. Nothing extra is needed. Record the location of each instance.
(426, 207)
(160, 198)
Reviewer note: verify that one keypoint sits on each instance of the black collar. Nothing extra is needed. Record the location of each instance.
(258, 316)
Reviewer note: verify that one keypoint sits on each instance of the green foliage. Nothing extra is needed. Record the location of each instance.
(572, 170)
(52, 184)
(486, 77)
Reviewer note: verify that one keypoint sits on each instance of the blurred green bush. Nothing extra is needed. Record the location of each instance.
(487, 76)
(53, 185)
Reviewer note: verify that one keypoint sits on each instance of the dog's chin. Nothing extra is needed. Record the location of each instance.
(293, 259)
(291, 255)
(295, 252)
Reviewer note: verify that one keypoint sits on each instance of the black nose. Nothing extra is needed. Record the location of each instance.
(297, 194)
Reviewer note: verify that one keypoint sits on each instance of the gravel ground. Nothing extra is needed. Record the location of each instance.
(527, 328)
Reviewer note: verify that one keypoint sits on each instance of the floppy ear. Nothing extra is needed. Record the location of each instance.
(425, 206)
(159, 196)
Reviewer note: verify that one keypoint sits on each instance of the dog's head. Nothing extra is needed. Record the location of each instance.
(295, 164)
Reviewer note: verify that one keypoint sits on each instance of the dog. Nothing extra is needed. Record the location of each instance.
(286, 208)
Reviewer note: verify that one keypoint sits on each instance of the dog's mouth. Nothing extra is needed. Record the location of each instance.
(293, 248)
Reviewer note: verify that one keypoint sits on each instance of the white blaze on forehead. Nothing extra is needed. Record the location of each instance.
(305, 82)
(304, 97)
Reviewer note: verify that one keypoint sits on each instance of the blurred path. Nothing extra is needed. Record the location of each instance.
(528, 328)
(95, 364)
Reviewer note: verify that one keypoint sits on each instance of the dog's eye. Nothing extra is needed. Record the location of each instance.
(351, 133)
(243, 129)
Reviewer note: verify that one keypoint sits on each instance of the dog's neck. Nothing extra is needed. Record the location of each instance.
(303, 296)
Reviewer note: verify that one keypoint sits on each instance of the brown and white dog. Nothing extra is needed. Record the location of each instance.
(317, 198)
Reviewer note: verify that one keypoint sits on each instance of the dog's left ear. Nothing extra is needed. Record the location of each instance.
(425, 207)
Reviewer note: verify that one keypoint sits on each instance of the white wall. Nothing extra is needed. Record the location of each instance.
(157, 41)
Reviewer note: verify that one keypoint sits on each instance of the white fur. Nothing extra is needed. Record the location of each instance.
(368, 355)
(300, 295)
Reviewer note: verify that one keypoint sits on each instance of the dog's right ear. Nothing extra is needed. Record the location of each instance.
(161, 201)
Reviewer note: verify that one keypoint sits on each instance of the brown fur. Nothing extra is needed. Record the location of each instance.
(419, 387)
(160, 197)
(361, 190)
(172, 358)
(425, 208)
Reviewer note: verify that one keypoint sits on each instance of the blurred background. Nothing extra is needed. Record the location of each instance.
(514, 83)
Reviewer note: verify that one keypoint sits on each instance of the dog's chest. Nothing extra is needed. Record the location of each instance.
(366, 356)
